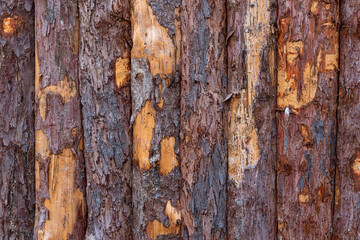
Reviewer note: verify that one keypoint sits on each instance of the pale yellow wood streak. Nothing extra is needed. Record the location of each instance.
(143, 134)
(243, 140)
(151, 40)
(156, 228)
(168, 160)
(65, 201)
(243, 146)
(122, 71)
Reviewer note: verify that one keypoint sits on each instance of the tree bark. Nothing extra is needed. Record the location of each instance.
(347, 190)
(59, 163)
(17, 134)
(202, 144)
(155, 89)
(307, 101)
(251, 129)
(106, 107)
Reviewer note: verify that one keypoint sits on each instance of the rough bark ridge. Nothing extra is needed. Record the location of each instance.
(307, 99)
(17, 136)
(106, 107)
(347, 190)
(251, 130)
(59, 163)
(155, 89)
(203, 151)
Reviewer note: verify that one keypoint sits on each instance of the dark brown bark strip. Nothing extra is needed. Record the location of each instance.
(251, 130)
(59, 165)
(347, 190)
(307, 102)
(203, 152)
(105, 95)
(17, 135)
(155, 90)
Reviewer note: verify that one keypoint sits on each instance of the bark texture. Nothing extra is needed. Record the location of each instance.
(202, 144)
(155, 89)
(347, 190)
(106, 107)
(307, 101)
(251, 129)
(59, 163)
(17, 135)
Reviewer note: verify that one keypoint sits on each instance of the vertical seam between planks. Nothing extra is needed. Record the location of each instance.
(336, 123)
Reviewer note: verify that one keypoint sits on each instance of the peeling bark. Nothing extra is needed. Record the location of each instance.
(106, 107)
(59, 163)
(251, 130)
(17, 135)
(155, 90)
(203, 151)
(347, 190)
(307, 100)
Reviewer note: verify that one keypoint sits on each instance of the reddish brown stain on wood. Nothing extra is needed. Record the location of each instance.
(60, 180)
(17, 133)
(347, 201)
(307, 101)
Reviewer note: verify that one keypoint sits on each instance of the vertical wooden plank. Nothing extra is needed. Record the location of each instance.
(251, 124)
(203, 152)
(155, 91)
(307, 101)
(59, 163)
(347, 190)
(106, 107)
(17, 135)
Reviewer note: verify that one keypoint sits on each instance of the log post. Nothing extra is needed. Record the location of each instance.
(17, 132)
(105, 45)
(347, 190)
(202, 144)
(155, 92)
(307, 101)
(251, 123)
(59, 162)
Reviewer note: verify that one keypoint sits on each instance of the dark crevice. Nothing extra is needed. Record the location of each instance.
(336, 126)
(276, 128)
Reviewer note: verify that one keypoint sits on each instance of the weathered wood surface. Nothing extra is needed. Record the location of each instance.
(347, 190)
(17, 135)
(307, 101)
(251, 125)
(155, 88)
(105, 45)
(59, 162)
(203, 119)
(202, 142)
